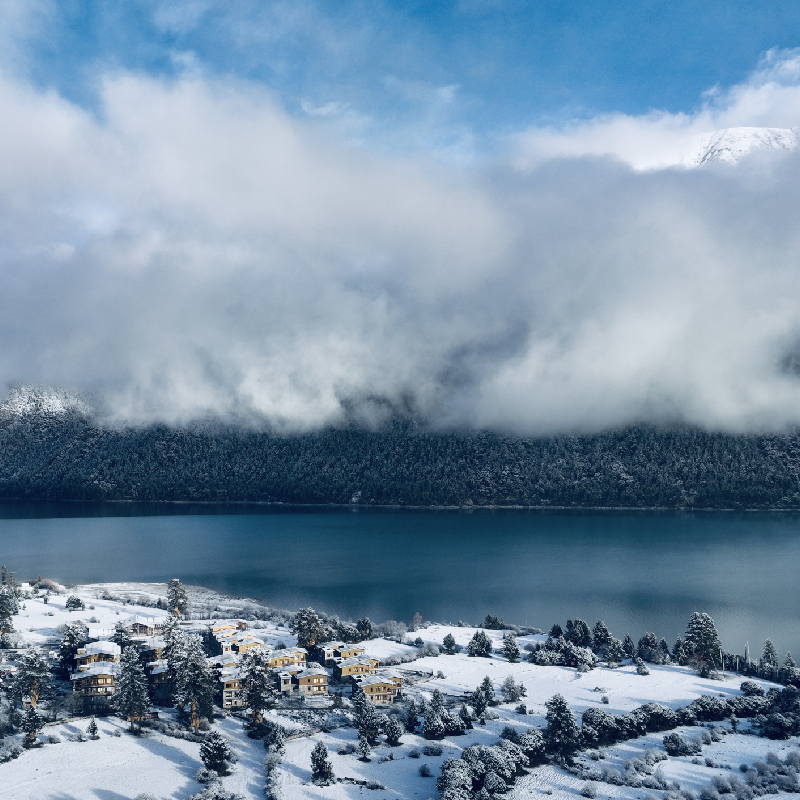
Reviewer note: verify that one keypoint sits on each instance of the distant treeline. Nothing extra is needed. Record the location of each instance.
(67, 456)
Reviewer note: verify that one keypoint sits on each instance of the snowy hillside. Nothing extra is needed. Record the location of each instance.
(26, 400)
(729, 145)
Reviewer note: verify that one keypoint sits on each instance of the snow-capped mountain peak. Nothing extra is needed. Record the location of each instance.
(729, 145)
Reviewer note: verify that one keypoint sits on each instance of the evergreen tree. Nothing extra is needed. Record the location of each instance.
(512, 691)
(393, 731)
(131, 700)
(321, 769)
(789, 662)
(8, 607)
(647, 648)
(769, 659)
(195, 682)
(274, 736)
(679, 654)
(121, 636)
(628, 647)
(363, 747)
(215, 752)
(177, 599)
(91, 728)
(432, 725)
(364, 627)
(562, 736)
(511, 648)
(411, 717)
(578, 633)
(480, 645)
(367, 719)
(662, 653)
(437, 702)
(487, 687)
(555, 632)
(702, 643)
(466, 717)
(32, 723)
(614, 652)
(307, 626)
(75, 635)
(449, 644)
(258, 691)
(601, 639)
(31, 680)
(478, 702)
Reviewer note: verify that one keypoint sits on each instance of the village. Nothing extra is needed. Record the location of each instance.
(315, 700)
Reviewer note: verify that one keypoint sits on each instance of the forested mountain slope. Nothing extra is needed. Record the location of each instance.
(67, 456)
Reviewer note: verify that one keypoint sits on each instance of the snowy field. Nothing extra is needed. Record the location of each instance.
(120, 766)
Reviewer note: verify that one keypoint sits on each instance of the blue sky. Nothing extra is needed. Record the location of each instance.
(443, 69)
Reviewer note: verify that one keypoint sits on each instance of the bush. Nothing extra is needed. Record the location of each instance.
(676, 745)
(432, 749)
(521, 709)
(74, 603)
(589, 789)
(53, 740)
(205, 775)
(414, 753)
(425, 771)
(751, 689)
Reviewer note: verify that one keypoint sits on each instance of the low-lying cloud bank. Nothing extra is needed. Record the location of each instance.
(194, 251)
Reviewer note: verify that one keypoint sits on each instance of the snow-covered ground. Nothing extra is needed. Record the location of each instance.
(119, 766)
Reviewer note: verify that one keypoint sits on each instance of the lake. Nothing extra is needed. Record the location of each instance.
(638, 571)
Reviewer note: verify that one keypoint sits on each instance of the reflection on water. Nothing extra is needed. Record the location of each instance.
(637, 570)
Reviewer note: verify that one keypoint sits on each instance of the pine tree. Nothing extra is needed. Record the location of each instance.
(578, 633)
(614, 652)
(480, 645)
(769, 659)
(562, 736)
(177, 599)
(601, 638)
(364, 627)
(478, 702)
(466, 717)
(307, 626)
(647, 649)
(437, 702)
(432, 725)
(662, 653)
(91, 729)
(321, 769)
(32, 723)
(121, 636)
(363, 747)
(702, 643)
(8, 607)
(75, 635)
(411, 717)
(512, 691)
(449, 644)
(31, 680)
(555, 632)
(679, 654)
(258, 691)
(215, 752)
(393, 731)
(511, 648)
(628, 647)
(195, 683)
(487, 687)
(789, 662)
(131, 700)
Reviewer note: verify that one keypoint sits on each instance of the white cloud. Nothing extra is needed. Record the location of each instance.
(194, 250)
(769, 98)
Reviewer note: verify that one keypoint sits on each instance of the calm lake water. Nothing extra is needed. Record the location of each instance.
(636, 570)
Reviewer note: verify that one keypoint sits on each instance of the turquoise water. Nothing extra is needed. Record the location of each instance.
(637, 571)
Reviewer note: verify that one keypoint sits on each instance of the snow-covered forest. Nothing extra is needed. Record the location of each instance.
(66, 455)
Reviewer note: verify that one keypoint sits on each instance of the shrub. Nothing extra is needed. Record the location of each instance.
(751, 689)
(205, 775)
(414, 753)
(425, 771)
(589, 789)
(432, 749)
(74, 603)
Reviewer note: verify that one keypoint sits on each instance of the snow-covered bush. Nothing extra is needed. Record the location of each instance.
(425, 771)
(74, 603)
(205, 775)
(589, 789)
(676, 745)
(432, 749)
(751, 689)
